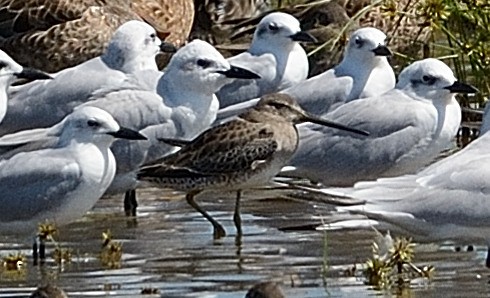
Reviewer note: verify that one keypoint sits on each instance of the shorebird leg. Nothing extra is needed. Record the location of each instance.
(35, 255)
(39, 252)
(218, 230)
(487, 263)
(236, 217)
(130, 203)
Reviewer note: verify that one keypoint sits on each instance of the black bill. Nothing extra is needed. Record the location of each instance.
(236, 72)
(32, 74)
(167, 47)
(303, 36)
(460, 87)
(382, 50)
(126, 133)
(324, 122)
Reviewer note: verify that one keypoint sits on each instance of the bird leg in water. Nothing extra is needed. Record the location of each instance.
(130, 203)
(236, 217)
(35, 255)
(39, 253)
(218, 230)
(487, 263)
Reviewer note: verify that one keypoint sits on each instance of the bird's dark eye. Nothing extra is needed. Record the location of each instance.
(153, 36)
(277, 105)
(359, 42)
(3, 64)
(273, 27)
(429, 80)
(93, 123)
(203, 63)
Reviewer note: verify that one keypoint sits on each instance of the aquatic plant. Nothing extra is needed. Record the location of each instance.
(13, 267)
(14, 262)
(62, 255)
(111, 253)
(47, 231)
(392, 263)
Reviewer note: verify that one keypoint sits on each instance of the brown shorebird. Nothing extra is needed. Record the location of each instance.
(240, 154)
(266, 289)
(48, 291)
(55, 34)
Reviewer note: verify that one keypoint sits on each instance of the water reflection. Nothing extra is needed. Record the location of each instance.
(170, 248)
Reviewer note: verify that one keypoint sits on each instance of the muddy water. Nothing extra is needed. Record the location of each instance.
(170, 249)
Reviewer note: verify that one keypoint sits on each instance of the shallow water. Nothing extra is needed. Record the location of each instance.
(170, 248)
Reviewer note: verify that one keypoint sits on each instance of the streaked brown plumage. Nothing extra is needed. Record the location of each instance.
(265, 290)
(240, 154)
(55, 34)
(212, 16)
(172, 16)
(48, 291)
(68, 43)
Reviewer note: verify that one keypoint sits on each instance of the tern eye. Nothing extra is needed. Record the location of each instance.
(3, 64)
(153, 36)
(359, 42)
(93, 123)
(203, 63)
(273, 27)
(429, 80)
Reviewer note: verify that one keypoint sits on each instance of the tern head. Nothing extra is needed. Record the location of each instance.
(200, 68)
(431, 79)
(366, 44)
(11, 70)
(133, 47)
(92, 124)
(278, 30)
(279, 106)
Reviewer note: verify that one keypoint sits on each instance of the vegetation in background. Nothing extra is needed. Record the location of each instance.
(455, 31)
(459, 33)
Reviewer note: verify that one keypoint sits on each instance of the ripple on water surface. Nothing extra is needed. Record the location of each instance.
(170, 249)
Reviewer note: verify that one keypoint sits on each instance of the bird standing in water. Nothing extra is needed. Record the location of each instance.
(243, 153)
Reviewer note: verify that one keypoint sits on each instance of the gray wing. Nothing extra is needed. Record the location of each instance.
(23, 137)
(132, 107)
(318, 94)
(44, 103)
(240, 90)
(461, 194)
(397, 130)
(232, 111)
(34, 183)
(10, 151)
(136, 109)
(454, 190)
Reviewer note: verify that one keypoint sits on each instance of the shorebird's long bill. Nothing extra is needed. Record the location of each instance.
(32, 74)
(460, 87)
(236, 72)
(382, 50)
(126, 133)
(324, 122)
(167, 47)
(303, 36)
